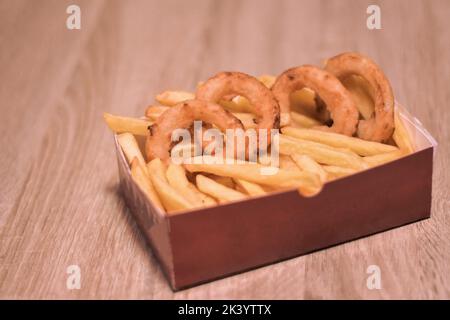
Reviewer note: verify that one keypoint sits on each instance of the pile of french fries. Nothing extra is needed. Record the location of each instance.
(309, 158)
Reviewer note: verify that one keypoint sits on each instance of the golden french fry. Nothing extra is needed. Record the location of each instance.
(217, 190)
(139, 175)
(171, 98)
(130, 148)
(359, 89)
(250, 188)
(360, 146)
(230, 106)
(303, 121)
(334, 172)
(253, 172)
(287, 163)
(120, 124)
(285, 119)
(206, 200)
(308, 164)
(401, 135)
(183, 150)
(226, 181)
(268, 80)
(303, 101)
(243, 103)
(321, 153)
(171, 199)
(176, 176)
(240, 189)
(384, 158)
(237, 104)
(153, 112)
(247, 119)
(157, 168)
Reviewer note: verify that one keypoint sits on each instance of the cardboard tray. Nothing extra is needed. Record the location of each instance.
(207, 244)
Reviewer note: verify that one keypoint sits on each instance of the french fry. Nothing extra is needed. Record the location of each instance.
(268, 80)
(217, 190)
(303, 121)
(237, 104)
(359, 89)
(183, 150)
(303, 101)
(380, 159)
(157, 168)
(120, 124)
(240, 189)
(334, 172)
(153, 112)
(171, 98)
(360, 146)
(250, 188)
(176, 176)
(139, 175)
(130, 148)
(247, 119)
(308, 164)
(252, 172)
(231, 106)
(401, 135)
(226, 181)
(286, 162)
(243, 103)
(171, 199)
(321, 153)
(285, 119)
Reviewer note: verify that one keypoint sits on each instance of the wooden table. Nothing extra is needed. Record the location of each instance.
(60, 204)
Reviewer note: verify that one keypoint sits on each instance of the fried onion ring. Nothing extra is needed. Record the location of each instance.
(380, 127)
(336, 98)
(225, 84)
(181, 116)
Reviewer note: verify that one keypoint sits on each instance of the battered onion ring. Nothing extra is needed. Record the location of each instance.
(181, 116)
(225, 84)
(381, 126)
(337, 99)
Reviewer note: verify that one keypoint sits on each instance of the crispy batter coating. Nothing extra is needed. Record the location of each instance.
(336, 98)
(381, 126)
(181, 116)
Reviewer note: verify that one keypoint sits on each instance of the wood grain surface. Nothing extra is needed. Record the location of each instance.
(59, 198)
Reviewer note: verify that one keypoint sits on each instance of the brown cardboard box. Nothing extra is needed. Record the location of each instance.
(211, 243)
